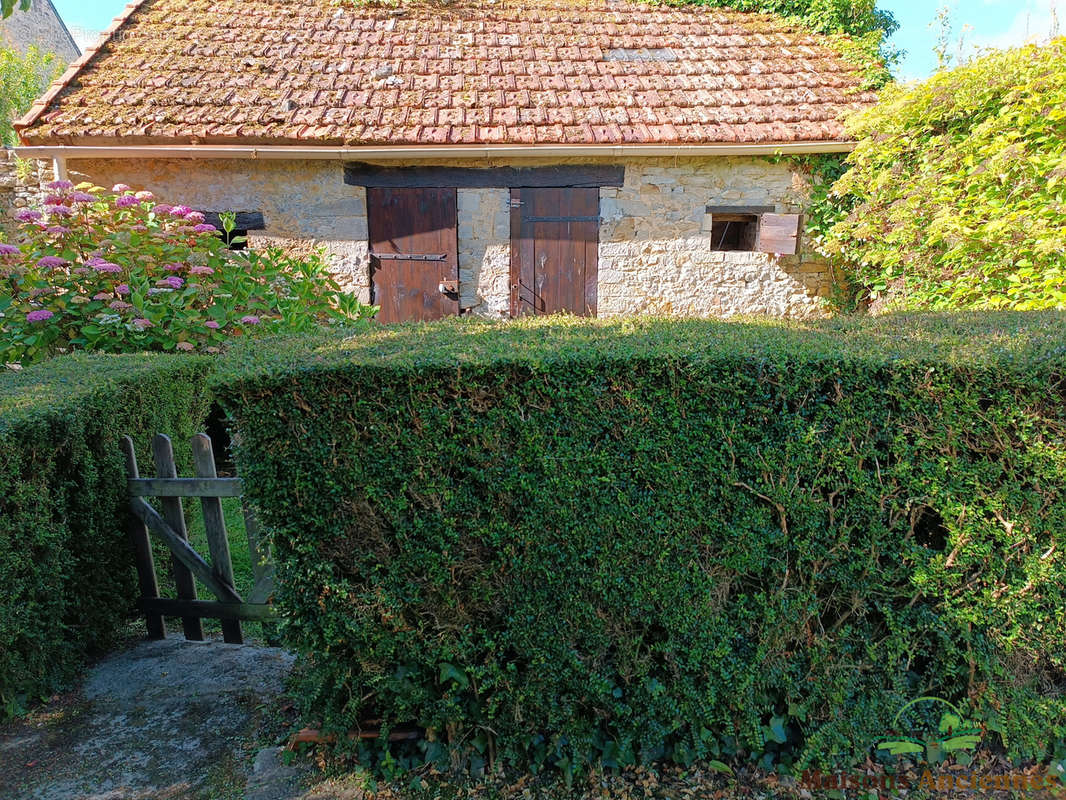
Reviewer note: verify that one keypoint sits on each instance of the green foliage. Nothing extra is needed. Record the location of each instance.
(66, 566)
(956, 196)
(117, 272)
(556, 543)
(23, 78)
(7, 7)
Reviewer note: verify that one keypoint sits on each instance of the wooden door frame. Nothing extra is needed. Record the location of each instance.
(592, 267)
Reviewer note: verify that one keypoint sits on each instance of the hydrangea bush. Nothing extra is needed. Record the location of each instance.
(118, 272)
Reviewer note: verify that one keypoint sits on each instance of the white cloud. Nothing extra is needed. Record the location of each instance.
(1034, 22)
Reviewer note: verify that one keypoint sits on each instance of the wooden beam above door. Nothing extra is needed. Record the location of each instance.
(578, 175)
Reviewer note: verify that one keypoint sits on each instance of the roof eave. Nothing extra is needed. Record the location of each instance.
(416, 152)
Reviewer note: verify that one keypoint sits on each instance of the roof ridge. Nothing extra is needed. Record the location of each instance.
(58, 85)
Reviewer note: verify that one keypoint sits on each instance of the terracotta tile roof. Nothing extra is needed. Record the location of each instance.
(310, 72)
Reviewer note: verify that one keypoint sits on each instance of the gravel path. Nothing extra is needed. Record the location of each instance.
(166, 719)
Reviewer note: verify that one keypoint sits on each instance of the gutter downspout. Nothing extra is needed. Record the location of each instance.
(59, 168)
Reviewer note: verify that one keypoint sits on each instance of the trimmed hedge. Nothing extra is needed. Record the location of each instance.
(66, 567)
(559, 542)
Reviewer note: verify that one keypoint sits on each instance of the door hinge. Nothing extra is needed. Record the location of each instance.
(515, 203)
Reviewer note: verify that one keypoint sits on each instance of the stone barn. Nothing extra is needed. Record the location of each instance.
(523, 156)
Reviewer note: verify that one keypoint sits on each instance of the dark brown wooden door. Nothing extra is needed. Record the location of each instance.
(414, 253)
(554, 251)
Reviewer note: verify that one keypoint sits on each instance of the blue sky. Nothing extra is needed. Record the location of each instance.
(992, 23)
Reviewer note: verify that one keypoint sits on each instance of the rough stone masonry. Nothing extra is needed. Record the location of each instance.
(655, 256)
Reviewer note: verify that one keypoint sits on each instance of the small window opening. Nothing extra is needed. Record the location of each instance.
(734, 232)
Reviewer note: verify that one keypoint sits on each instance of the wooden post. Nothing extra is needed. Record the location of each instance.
(215, 525)
(142, 548)
(165, 467)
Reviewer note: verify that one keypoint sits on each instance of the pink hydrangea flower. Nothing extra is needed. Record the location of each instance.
(54, 199)
(250, 319)
(194, 217)
(143, 323)
(201, 270)
(82, 197)
(9, 249)
(107, 266)
(126, 201)
(58, 210)
(119, 188)
(204, 228)
(212, 325)
(122, 288)
(52, 262)
(39, 316)
(120, 305)
(173, 267)
(162, 209)
(58, 230)
(61, 184)
(180, 211)
(186, 346)
(101, 296)
(28, 215)
(173, 281)
(144, 196)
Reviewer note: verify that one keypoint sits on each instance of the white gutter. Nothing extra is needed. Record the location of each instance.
(412, 152)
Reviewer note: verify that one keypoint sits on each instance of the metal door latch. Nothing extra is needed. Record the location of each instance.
(448, 287)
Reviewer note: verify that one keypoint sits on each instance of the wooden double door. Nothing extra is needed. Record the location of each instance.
(414, 251)
(554, 250)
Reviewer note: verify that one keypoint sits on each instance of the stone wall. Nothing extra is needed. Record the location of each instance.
(21, 182)
(654, 255)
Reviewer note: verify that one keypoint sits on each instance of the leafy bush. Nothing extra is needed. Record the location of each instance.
(66, 566)
(556, 543)
(117, 272)
(956, 196)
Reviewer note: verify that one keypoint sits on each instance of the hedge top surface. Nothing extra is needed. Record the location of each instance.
(56, 384)
(962, 338)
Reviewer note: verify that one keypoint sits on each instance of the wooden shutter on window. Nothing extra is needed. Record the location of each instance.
(779, 233)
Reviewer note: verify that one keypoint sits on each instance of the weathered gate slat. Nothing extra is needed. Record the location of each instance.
(188, 566)
(173, 514)
(185, 487)
(250, 612)
(215, 525)
(142, 547)
(184, 554)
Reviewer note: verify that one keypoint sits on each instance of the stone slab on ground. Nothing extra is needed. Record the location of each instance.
(165, 719)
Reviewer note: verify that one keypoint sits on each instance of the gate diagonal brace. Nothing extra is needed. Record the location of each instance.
(184, 552)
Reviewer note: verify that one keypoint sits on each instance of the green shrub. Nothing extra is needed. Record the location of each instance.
(956, 196)
(118, 272)
(557, 542)
(66, 566)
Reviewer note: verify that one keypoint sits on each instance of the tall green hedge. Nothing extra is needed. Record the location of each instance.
(67, 582)
(556, 542)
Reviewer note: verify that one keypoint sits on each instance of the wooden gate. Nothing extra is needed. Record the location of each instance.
(188, 566)
(554, 251)
(414, 253)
